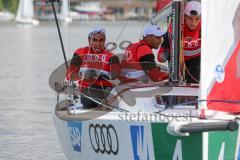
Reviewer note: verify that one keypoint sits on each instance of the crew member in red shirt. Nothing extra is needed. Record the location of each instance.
(138, 63)
(91, 68)
(191, 42)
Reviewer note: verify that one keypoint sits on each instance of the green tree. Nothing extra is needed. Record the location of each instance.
(6, 3)
(1, 5)
(12, 5)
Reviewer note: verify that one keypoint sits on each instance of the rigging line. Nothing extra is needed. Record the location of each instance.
(113, 98)
(103, 105)
(90, 45)
(116, 96)
(98, 18)
(191, 102)
(69, 14)
(90, 98)
(186, 69)
(220, 100)
(162, 109)
(124, 27)
(148, 4)
(191, 116)
(69, 28)
(184, 103)
(166, 115)
(59, 32)
(112, 81)
(181, 59)
(131, 87)
(169, 35)
(120, 33)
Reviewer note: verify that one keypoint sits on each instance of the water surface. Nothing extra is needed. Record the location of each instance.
(28, 55)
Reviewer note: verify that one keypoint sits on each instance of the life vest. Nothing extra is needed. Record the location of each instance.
(191, 42)
(131, 67)
(100, 63)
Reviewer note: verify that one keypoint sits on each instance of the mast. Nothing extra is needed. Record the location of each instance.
(176, 40)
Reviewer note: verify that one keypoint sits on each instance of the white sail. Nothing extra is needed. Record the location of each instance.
(25, 13)
(20, 8)
(220, 74)
(65, 12)
(28, 9)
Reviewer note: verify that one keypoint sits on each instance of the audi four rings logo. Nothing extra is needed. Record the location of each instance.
(104, 138)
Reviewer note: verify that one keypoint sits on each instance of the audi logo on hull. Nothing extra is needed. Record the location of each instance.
(104, 139)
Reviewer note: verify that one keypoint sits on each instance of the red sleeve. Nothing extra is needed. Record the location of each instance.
(156, 75)
(72, 73)
(115, 71)
(143, 51)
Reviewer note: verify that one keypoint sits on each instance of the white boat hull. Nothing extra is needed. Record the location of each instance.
(118, 139)
(27, 21)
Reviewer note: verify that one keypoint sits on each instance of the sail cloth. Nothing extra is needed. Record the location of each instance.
(25, 9)
(220, 57)
(162, 4)
(65, 12)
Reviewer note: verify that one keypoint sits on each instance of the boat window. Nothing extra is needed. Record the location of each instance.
(168, 101)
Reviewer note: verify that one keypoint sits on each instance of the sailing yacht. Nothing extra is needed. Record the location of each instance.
(6, 16)
(158, 120)
(65, 15)
(91, 10)
(25, 13)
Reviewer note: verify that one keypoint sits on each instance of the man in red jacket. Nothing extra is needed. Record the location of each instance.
(138, 63)
(91, 68)
(191, 42)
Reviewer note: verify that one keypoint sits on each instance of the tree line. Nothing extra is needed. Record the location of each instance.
(9, 5)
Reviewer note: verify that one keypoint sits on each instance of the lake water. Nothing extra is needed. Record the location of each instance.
(28, 55)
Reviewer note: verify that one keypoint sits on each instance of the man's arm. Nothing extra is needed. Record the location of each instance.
(149, 66)
(115, 67)
(164, 51)
(72, 73)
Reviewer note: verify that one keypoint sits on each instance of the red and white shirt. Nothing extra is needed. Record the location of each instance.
(100, 63)
(191, 43)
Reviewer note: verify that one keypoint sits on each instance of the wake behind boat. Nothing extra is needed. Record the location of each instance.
(163, 120)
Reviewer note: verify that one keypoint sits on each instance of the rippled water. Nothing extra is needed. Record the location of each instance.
(28, 55)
